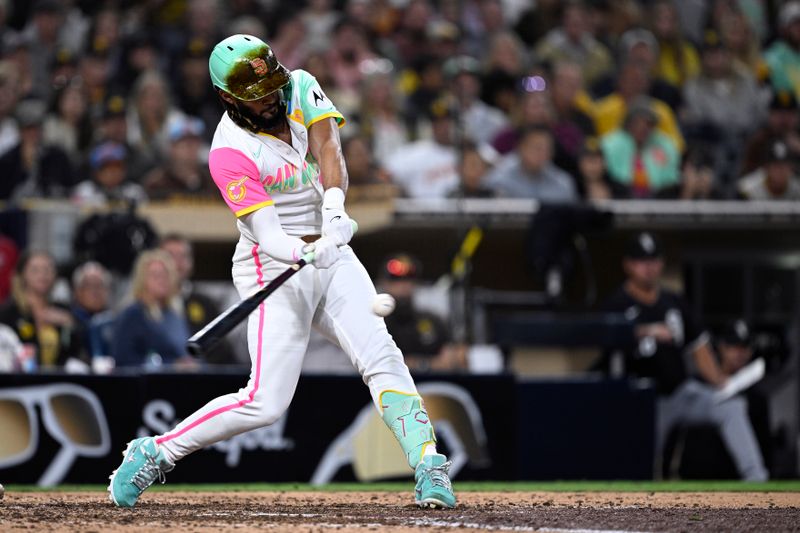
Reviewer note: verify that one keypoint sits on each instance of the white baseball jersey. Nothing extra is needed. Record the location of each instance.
(253, 171)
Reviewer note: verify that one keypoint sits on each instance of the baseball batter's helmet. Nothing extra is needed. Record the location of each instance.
(245, 67)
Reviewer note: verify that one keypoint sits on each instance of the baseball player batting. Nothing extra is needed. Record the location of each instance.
(277, 160)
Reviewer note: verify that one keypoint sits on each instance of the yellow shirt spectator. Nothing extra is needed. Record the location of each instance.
(677, 62)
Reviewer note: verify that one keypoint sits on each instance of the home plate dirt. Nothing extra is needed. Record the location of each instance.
(390, 511)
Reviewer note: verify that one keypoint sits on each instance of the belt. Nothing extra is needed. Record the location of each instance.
(310, 238)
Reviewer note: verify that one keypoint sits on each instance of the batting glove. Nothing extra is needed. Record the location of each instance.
(335, 222)
(326, 252)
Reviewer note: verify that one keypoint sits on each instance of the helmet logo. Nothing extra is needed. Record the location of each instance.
(259, 66)
(236, 190)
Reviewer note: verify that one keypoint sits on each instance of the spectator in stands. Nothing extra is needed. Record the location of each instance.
(408, 40)
(46, 329)
(640, 46)
(150, 332)
(477, 160)
(350, 50)
(91, 298)
(6, 31)
(113, 124)
(535, 109)
(505, 64)
(740, 39)
(423, 337)
(197, 308)
(664, 330)
(319, 18)
(776, 179)
(368, 181)
(677, 58)
(138, 56)
(151, 116)
(193, 94)
(593, 178)
(109, 183)
(431, 86)
(48, 29)
(480, 121)
(105, 32)
(633, 84)
(537, 20)
(33, 169)
(721, 97)
(573, 41)
(529, 172)
(427, 168)
(573, 107)
(291, 41)
(722, 106)
(379, 116)
(698, 181)
(18, 52)
(783, 57)
(68, 124)
(94, 68)
(783, 122)
(9, 254)
(183, 174)
(642, 162)
(9, 96)
(346, 99)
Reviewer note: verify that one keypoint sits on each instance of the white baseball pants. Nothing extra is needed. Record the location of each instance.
(338, 302)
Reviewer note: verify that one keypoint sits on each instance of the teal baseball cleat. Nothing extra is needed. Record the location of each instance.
(433, 484)
(143, 463)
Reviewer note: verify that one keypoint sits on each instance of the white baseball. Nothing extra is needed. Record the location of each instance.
(383, 304)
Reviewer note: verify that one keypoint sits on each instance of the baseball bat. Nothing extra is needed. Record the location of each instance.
(211, 334)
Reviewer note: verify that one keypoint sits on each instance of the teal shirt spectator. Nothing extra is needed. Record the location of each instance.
(784, 67)
(660, 157)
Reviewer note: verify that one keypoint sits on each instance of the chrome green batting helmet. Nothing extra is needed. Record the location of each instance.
(245, 67)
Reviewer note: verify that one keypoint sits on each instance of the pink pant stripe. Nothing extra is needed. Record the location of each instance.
(240, 403)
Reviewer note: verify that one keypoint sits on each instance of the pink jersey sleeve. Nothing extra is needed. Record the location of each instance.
(237, 177)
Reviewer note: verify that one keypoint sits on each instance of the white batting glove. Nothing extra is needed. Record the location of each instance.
(335, 222)
(326, 252)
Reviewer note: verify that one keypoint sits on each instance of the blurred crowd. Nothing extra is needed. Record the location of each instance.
(109, 101)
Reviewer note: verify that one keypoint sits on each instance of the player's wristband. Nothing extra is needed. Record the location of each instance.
(333, 198)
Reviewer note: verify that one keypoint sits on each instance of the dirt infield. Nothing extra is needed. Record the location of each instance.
(390, 511)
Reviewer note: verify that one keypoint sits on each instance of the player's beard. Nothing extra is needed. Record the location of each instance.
(265, 124)
(255, 122)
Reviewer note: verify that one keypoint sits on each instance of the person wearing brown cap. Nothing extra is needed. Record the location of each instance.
(665, 330)
(776, 179)
(783, 122)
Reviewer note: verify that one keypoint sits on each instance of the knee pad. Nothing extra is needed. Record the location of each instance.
(406, 416)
